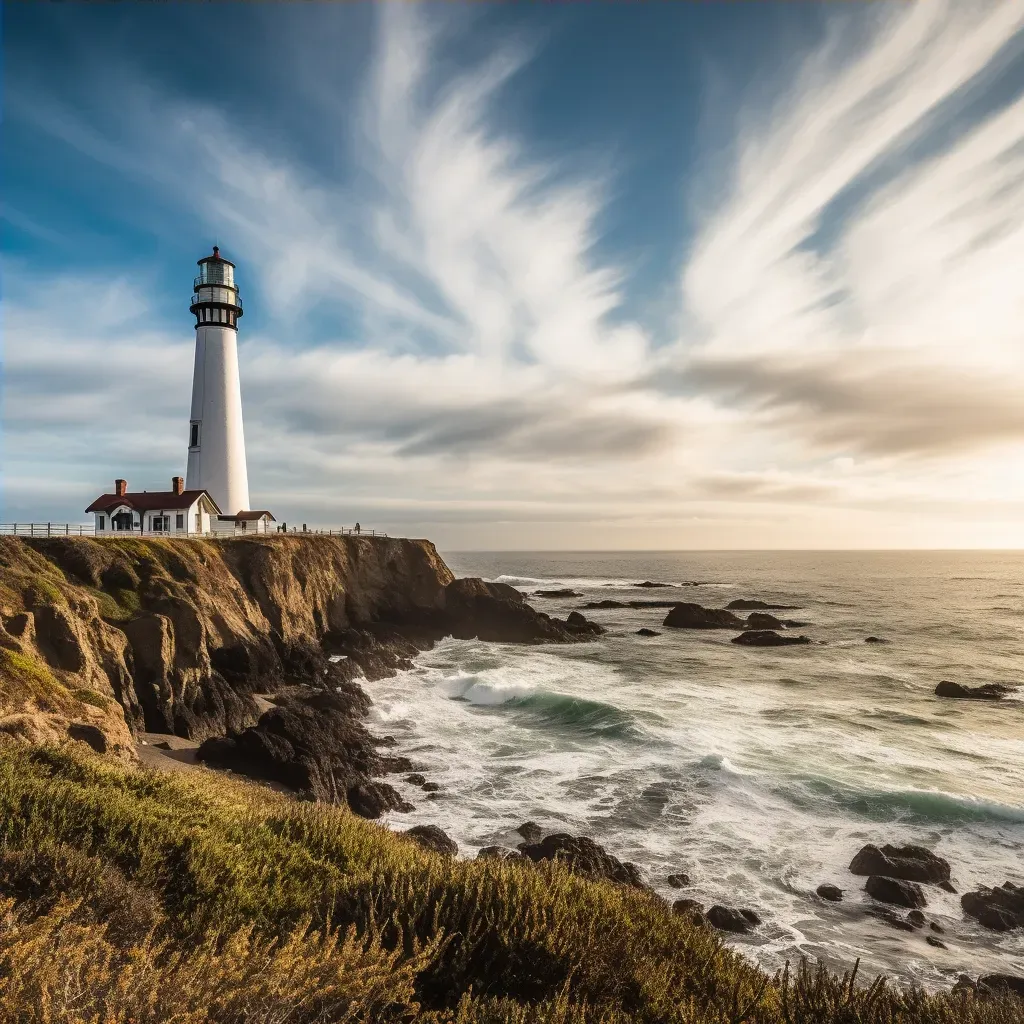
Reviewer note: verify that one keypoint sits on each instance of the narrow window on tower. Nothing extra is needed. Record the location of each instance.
(193, 439)
(179, 521)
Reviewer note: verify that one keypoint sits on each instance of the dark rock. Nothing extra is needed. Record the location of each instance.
(1001, 909)
(580, 625)
(990, 691)
(912, 863)
(890, 917)
(936, 927)
(644, 631)
(431, 787)
(89, 734)
(1002, 983)
(874, 640)
(316, 745)
(916, 918)
(832, 893)
(689, 908)
(565, 592)
(767, 638)
(678, 881)
(531, 831)
(948, 886)
(897, 891)
(933, 941)
(430, 837)
(761, 620)
(694, 616)
(965, 984)
(498, 853)
(372, 799)
(415, 779)
(648, 585)
(583, 857)
(726, 919)
(605, 604)
(742, 604)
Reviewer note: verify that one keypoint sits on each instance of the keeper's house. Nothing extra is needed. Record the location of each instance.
(175, 512)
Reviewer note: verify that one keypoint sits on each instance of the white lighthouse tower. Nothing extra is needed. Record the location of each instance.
(216, 444)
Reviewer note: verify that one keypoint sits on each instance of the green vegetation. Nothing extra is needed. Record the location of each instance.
(24, 680)
(127, 896)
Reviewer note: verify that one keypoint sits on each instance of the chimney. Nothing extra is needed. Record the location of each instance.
(177, 484)
(120, 488)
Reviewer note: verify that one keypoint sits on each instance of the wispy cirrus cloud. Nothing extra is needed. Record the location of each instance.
(444, 325)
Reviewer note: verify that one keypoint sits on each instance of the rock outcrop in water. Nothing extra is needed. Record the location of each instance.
(895, 890)
(694, 616)
(990, 691)
(768, 638)
(1000, 909)
(744, 604)
(913, 863)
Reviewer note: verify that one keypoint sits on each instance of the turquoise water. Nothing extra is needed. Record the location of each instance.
(759, 772)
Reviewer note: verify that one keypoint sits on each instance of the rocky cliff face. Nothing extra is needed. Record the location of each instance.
(102, 638)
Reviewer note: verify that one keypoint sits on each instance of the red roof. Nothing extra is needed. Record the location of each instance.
(149, 501)
(251, 515)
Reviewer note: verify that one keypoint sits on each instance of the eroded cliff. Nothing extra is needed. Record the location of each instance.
(103, 638)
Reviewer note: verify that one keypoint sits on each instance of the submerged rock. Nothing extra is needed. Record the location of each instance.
(832, 893)
(583, 857)
(896, 891)
(580, 625)
(990, 691)
(875, 640)
(1000, 909)
(761, 620)
(678, 881)
(605, 604)
(768, 638)
(644, 631)
(916, 918)
(498, 853)
(564, 592)
(433, 838)
(913, 863)
(743, 604)
(933, 941)
(431, 787)
(415, 779)
(648, 585)
(694, 616)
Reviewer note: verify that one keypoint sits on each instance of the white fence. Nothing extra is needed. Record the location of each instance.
(89, 530)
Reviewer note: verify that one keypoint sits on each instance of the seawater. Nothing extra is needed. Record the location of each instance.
(758, 772)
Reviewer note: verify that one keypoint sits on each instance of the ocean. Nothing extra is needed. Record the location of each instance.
(757, 772)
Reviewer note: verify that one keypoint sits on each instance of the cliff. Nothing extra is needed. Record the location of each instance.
(103, 638)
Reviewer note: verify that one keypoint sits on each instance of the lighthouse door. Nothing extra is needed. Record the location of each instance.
(122, 521)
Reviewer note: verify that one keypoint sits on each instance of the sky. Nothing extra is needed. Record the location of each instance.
(530, 276)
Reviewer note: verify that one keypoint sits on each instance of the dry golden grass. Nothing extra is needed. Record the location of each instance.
(133, 897)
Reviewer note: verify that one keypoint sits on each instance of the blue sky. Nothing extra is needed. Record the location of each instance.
(679, 275)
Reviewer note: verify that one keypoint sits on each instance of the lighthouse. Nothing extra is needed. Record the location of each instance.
(216, 443)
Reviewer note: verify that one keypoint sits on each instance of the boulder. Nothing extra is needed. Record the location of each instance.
(498, 853)
(728, 919)
(688, 908)
(1002, 983)
(679, 881)
(372, 799)
(916, 918)
(762, 620)
(896, 891)
(583, 857)
(948, 886)
(1000, 909)
(531, 831)
(912, 863)
(933, 941)
(990, 691)
(435, 839)
(415, 779)
(694, 616)
(768, 638)
(580, 625)
(832, 893)
(564, 592)
(431, 787)
(644, 631)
